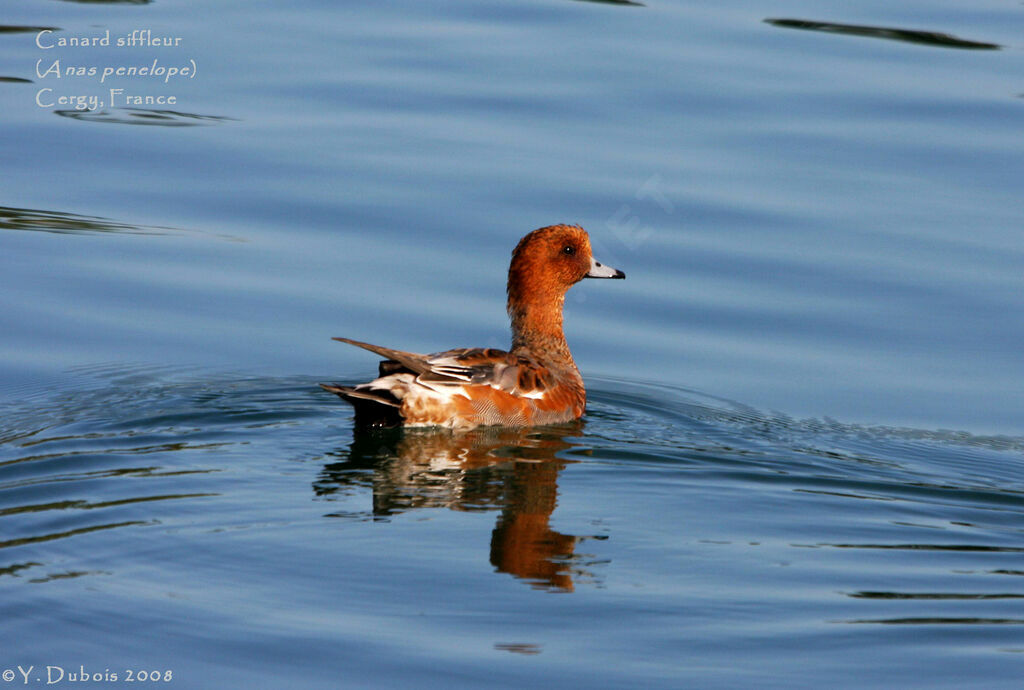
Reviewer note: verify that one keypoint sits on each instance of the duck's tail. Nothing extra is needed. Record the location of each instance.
(374, 408)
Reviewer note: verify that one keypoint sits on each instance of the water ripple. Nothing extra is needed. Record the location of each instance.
(143, 116)
(929, 38)
(21, 29)
(68, 223)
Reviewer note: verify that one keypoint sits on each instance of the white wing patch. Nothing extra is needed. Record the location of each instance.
(444, 389)
(451, 370)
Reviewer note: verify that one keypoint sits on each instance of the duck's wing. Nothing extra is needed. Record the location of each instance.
(467, 366)
(507, 388)
(474, 366)
(498, 369)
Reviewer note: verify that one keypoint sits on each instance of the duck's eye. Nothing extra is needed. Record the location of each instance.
(569, 249)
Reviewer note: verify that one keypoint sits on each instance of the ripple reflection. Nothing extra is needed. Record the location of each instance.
(143, 116)
(19, 29)
(930, 38)
(69, 223)
(615, 2)
(66, 223)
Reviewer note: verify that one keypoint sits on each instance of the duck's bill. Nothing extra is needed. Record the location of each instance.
(599, 270)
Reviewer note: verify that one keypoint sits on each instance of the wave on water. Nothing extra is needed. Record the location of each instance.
(656, 422)
(119, 447)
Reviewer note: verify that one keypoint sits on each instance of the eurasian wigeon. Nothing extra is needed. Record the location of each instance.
(537, 382)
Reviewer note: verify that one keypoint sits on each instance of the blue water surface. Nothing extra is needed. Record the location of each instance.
(801, 463)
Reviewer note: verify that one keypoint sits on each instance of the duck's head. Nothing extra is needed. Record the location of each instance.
(553, 259)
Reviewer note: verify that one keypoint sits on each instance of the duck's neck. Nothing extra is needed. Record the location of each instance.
(537, 327)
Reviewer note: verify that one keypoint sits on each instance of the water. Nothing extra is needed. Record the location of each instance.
(801, 461)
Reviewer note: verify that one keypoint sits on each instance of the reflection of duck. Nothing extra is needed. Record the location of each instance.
(514, 470)
(523, 543)
(537, 382)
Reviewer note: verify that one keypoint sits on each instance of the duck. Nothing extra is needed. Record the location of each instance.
(535, 382)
